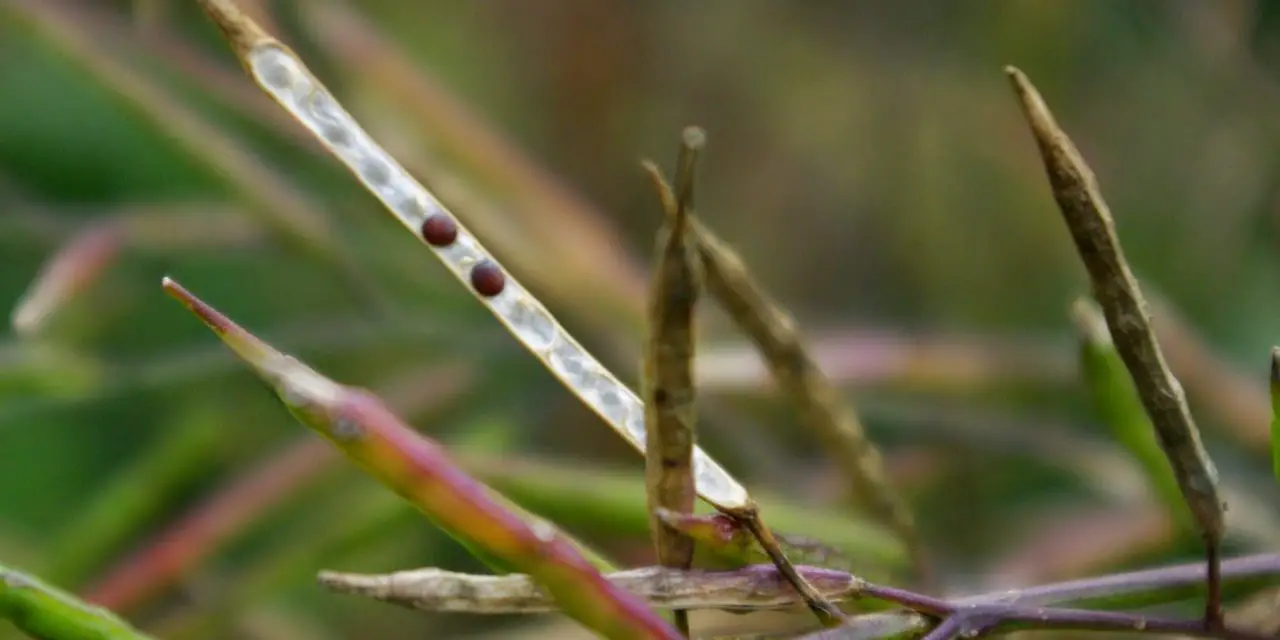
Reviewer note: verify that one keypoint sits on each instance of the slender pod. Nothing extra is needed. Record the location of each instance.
(669, 392)
(1089, 219)
(1117, 403)
(417, 468)
(817, 400)
(748, 514)
(283, 76)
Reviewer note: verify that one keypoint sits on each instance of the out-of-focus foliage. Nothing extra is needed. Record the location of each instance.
(866, 158)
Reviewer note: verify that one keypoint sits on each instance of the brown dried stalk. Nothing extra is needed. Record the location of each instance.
(1087, 216)
(817, 400)
(756, 587)
(828, 614)
(669, 391)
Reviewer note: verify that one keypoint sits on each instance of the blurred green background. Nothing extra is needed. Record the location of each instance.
(867, 158)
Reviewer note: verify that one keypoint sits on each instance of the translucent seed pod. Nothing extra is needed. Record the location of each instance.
(286, 79)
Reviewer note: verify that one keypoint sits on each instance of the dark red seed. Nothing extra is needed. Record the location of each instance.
(439, 230)
(487, 279)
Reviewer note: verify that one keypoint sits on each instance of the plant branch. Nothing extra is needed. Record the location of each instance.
(760, 587)
(43, 611)
(1042, 607)
(753, 588)
(828, 614)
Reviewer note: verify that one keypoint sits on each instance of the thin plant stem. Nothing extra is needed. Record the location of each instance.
(761, 587)
(728, 537)
(294, 217)
(44, 611)
(819, 403)
(751, 588)
(612, 502)
(1041, 607)
(828, 614)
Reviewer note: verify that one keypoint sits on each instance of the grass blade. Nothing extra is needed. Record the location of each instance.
(291, 214)
(83, 258)
(127, 502)
(417, 468)
(1075, 188)
(610, 502)
(183, 545)
(284, 77)
(1275, 412)
(46, 612)
(669, 391)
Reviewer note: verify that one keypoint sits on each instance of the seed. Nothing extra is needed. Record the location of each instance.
(439, 230)
(487, 278)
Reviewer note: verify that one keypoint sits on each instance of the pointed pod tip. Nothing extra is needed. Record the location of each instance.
(1029, 97)
(1021, 84)
(26, 320)
(344, 582)
(219, 323)
(694, 137)
(252, 350)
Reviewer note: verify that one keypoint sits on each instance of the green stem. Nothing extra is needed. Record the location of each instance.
(48, 613)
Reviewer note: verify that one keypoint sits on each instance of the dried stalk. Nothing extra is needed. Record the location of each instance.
(754, 588)
(1089, 220)
(758, 588)
(828, 614)
(669, 391)
(376, 440)
(817, 400)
